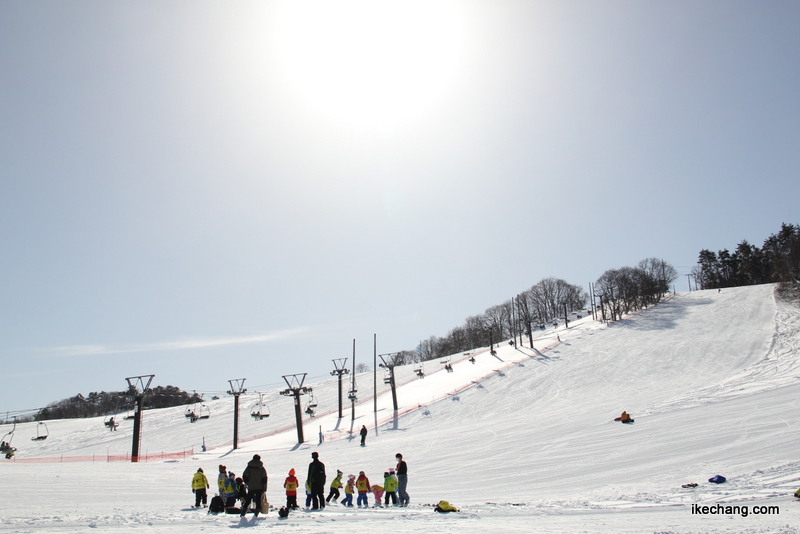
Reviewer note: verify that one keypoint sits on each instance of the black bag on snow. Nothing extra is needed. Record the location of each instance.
(217, 505)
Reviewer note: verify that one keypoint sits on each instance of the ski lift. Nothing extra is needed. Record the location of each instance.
(312, 404)
(387, 379)
(190, 414)
(130, 414)
(5, 442)
(351, 395)
(41, 432)
(419, 370)
(197, 411)
(111, 423)
(448, 366)
(259, 410)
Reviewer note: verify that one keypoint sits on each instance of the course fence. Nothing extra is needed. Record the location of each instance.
(157, 457)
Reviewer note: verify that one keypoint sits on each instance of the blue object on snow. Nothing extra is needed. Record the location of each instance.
(718, 479)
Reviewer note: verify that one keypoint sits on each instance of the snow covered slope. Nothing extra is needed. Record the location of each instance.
(526, 435)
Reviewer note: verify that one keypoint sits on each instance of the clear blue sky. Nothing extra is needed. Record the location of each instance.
(214, 190)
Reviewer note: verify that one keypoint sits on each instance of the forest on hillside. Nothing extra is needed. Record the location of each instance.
(778, 260)
(551, 301)
(110, 402)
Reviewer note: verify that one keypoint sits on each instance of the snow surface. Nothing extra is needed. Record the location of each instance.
(523, 441)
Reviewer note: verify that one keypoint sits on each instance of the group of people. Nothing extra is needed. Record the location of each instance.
(252, 486)
(247, 489)
(395, 481)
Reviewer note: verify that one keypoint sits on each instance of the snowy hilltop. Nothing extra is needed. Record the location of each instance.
(522, 439)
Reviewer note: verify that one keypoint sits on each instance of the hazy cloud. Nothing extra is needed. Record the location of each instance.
(184, 344)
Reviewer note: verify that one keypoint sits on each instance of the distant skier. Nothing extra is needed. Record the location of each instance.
(199, 487)
(625, 418)
(363, 435)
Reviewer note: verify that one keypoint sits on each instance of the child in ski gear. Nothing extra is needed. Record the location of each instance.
(377, 492)
(308, 494)
(230, 490)
(199, 487)
(390, 486)
(349, 489)
(241, 490)
(223, 474)
(362, 485)
(255, 476)
(402, 480)
(335, 485)
(291, 484)
(443, 507)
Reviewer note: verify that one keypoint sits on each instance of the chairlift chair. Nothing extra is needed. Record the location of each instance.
(110, 423)
(41, 432)
(419, 370)
(203, 412)
(190, 414)
(259, 410)
(5, 442)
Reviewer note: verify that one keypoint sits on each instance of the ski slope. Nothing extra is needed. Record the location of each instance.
(521, 441)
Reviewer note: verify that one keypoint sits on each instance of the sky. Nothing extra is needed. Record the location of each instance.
(207, 191)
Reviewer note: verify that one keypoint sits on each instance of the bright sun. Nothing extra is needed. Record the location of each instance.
(370, 64)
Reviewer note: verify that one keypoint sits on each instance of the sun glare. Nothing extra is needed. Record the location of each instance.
(370, 64)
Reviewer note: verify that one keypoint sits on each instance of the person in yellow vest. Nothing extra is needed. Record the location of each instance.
(390, 486)
(335, 485)
(291, 484)
(377, 492)
(349, 490)
(362, 485)
(199, 487)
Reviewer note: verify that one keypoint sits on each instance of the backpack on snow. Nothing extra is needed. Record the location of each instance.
(217, 505)
(717, 479)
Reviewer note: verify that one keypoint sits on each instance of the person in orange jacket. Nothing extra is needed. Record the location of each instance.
(291, 484)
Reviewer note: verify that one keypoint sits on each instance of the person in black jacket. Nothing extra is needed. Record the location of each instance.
(316, 478)
(255, 476)
(363, 435)
(402, 479)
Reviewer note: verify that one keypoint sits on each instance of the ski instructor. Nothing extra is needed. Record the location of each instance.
(402, 479)
(316, 478)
